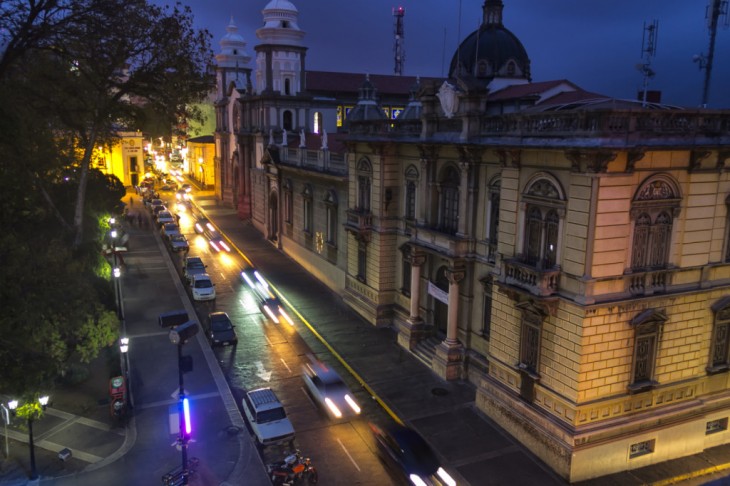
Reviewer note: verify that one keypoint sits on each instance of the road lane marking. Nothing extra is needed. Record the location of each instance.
(286, 365)
(268, 340)
(348, 455)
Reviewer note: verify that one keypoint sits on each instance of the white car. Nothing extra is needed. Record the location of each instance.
(267, 417)
(202, 287)
(329, 391)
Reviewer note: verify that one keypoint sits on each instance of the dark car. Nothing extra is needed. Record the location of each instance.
(178, 243)
(269, 303)
(220, 330)
(405, 449)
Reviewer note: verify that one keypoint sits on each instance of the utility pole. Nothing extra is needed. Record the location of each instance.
(648, 50)
(399, 48)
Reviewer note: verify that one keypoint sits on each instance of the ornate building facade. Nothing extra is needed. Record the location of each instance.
(567, 253)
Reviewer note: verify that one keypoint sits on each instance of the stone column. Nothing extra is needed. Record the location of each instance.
(464, 209)
(449, 357)
(411, 331)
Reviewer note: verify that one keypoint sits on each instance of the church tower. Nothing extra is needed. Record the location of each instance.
(232, 61)
(280, 55)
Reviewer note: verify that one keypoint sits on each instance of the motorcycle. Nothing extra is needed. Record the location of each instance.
(294, 469)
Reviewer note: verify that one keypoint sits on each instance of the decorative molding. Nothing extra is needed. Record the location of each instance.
(455, 275)
(696, 157)
(509, 158)
(590, 161)
(632, 157)
(428, 153)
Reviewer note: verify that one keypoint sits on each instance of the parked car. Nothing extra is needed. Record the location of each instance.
(407, 451)
(202, 287)
(164, 217)
(169, 229)
(220, 330)
(328, 390)
(178, 243)
(193, 265)
(269, 303)
(267, 417)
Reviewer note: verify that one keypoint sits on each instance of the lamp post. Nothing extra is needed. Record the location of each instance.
(31, 412)
(179, 335)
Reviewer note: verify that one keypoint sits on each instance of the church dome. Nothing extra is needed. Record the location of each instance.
(491, 51)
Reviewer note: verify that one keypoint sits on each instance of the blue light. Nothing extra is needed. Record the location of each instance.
(186, 412)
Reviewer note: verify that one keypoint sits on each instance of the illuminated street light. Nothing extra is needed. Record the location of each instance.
(31, 416)
(124, 344)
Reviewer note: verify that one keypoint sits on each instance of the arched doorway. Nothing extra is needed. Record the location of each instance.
(273, 216)
(441, 309)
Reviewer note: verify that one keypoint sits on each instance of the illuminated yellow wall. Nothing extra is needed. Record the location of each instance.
(124, 158)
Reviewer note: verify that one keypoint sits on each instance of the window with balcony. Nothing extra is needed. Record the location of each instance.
(288, 201)
(330, 203)
(720, 346)
(544, 211)
(493, 219)
(307, 215)
(364, 181)
(449, 200)
(653, 210)
(411, 178)
(647, 332)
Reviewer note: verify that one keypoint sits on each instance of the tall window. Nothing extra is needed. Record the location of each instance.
(493, 219)
(288, 121)
(330, 202)
(487, 307)
(362, 261)
(287, 86)
(647, 328)
(307, 208)
(411, 187)
(449, 201)
(364, 178)
(543, 210)
(653, 209)
(288, 201)
(727, 229)
(720, 347)
(531, 330)
(317, 122)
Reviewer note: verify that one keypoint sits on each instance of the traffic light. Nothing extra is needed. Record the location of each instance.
(183, 332)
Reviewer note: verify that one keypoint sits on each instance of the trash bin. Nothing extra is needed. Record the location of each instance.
(64, 454)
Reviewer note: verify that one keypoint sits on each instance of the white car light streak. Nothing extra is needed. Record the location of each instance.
(248, 280)
(225, 246)
(261, 279)
(353, 405)
(271, 314)
(333, 408)
(214, 245)
(445, 477)
(198, 227)
(417, 481)
(286, 316)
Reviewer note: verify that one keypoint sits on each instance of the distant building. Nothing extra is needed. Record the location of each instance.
(124, 158)
(201, 160)
(567, 253)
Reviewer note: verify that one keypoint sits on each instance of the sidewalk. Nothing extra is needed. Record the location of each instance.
(443, 412)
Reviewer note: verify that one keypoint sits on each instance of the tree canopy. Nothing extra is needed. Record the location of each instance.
(73, 74)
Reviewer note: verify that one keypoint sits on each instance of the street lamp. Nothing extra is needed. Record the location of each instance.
(31, 411)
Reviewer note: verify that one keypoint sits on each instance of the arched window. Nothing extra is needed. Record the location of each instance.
(317, 122)
(449, 201)
(544, 209)
(653, 210)
(511, 68)
(364, 178)
(288, 120)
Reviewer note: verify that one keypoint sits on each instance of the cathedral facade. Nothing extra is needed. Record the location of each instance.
(567, 253)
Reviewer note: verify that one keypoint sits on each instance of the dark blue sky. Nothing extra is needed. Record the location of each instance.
(594, 43)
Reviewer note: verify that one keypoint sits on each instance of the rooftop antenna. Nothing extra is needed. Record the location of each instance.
(399, 48)
(648, 50)
(714, 11)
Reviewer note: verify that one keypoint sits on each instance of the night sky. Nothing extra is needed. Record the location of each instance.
(596, 44)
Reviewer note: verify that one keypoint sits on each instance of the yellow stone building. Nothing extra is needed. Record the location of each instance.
(124, 158)
(567, 253)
